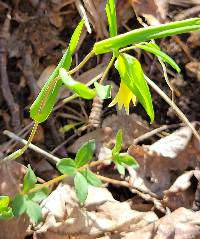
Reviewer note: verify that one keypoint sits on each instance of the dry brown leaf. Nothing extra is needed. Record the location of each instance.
(11, 176)
(101, 214)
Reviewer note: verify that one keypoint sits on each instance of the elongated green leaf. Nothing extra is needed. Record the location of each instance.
(33, 211)
(19, 205)
(75, 37)
(29, 180)
(156, 51)
(103, 91)
(146, 34)
(132, 75)
(91, 178)
(41, 110)
(81, 187)
(118, 143)
(85, 153)
(79, 88)
(112, 18)
(67, 166)
(126, 158)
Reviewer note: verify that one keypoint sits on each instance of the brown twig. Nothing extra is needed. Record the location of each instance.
(5, 87)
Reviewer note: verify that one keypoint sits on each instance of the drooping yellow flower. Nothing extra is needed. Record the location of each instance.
(123, 97)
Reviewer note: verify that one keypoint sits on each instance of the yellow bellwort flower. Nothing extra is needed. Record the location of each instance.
(123, 97)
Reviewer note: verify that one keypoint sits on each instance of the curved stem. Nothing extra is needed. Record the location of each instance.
(107, 69)
(91, 54)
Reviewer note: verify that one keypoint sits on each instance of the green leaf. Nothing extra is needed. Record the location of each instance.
(81, 187)
(39, 110)
(29, 180)
(4, 201)
(118, 143)
(67, 166)
(120, 169)
(153, 48)
(39, 195)
(132, 75)
(146, 34)
(75, 37)
(6, 213)
(103, 91)
(126, 158)
(19, 205)
(80, 89)
(85, 153)
(112, 18)
(91, 178)
(33, 211)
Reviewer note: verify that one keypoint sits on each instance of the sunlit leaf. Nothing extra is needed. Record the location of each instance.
(75, 37)
(67, 166)
(81, 187)
(126, 158)
(112, 18)
(120, 168)
(91, 178)
(103, 91)
(85, 153)
(29, 180)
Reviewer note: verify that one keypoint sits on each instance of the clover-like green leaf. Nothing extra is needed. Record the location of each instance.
(85, 153)
(29, 180)
(103, 91)
(132, 75)
(67, 166)
(81, 187)
(19, 204)
(33, 211)
(91, 178)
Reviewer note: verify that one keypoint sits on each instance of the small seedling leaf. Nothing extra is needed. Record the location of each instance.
(85, 153)
(112, 18)
(6, 213)
(19, 205)
(39, 195)
(132, 75)
(118, 143)
(81, 187)
(4, 201)
(33, 211)
(103, 91)
(91, 178)
(120, 168)
(126, 158)
(75, 37)
(80, 89)
(29, 180)
(67, 166)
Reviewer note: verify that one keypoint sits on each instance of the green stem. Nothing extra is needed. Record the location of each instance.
(91, 54)
(107, 69)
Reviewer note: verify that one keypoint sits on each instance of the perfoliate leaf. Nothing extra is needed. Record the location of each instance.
(111, 16)
(126, 158)
(80, 89)
(120, 169)
(81, 187)
(91, 178)
(39, 195)
(29, 180)
(118, 142)
(67, 166)
(153, 48)
(146, 34)
(19, 205)
(85, 153)
(103, 91)
(75, 37)
(33, 211)
(132, 75)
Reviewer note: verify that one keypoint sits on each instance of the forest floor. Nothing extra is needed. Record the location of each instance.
(160, 199)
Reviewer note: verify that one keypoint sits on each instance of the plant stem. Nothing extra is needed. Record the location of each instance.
(91, 54)
(107, 69)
